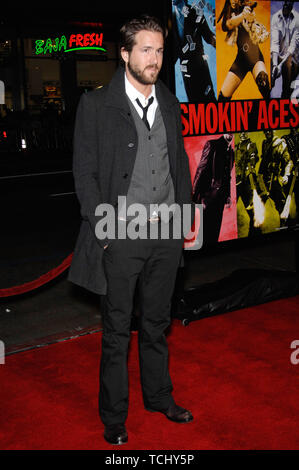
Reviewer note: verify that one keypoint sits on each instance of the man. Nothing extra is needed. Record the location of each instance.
(246, 155)
(292, 141)
(284, 47)
(275, 169)
(121, 150)
(211, 186)
(190, 28)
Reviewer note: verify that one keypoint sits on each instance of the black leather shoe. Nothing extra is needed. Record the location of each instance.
(116, 434)
(176, 413)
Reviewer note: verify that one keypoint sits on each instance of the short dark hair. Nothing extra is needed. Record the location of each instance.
(132, 27)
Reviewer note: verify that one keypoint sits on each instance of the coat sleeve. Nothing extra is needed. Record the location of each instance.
(85, 162)
(202, 179)
(184, 175)
(207, 34)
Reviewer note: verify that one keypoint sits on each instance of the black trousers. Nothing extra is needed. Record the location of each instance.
(154, 264)
(212, 219)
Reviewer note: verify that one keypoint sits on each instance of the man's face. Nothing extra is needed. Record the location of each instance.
(144, 62)
(243, 136)
(177, 2)
(268, 134)
(294, 130)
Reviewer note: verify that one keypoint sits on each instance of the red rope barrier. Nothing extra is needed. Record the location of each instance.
(47, 277)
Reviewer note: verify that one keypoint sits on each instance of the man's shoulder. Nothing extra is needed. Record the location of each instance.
(276, 17)
(208, 146)
(165, 92)
(97, 94)
(93, 100)
(278, 14)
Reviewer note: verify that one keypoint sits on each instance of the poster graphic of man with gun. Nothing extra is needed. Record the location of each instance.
(284, 49)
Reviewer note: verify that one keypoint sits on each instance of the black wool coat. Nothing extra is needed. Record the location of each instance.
(105, 147)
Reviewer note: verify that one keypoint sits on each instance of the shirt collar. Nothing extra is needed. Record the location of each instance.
(133, 93)
(282, 17)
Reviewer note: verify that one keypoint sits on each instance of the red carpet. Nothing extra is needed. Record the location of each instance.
(233, 371)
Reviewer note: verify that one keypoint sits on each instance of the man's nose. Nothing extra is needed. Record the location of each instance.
(154, 57)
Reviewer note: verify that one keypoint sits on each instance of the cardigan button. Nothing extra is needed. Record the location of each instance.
(125, 175)
(131, 144)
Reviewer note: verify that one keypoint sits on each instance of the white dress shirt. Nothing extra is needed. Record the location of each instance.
(133, 94)
(283, 34)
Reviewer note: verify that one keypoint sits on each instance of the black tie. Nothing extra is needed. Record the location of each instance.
(144, 118)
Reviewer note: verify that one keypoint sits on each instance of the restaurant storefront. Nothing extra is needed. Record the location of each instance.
(43, 71)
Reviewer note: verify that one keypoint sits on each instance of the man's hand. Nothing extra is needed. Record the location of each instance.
(248, 15)
(283, 180)
(279, 69)
(228, 203)
(276, 72)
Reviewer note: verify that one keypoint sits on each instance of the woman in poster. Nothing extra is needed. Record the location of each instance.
(239, 21)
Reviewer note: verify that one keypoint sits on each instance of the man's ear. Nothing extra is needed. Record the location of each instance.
(124, 55)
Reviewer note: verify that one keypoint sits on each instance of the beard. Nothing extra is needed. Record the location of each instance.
(141, 76)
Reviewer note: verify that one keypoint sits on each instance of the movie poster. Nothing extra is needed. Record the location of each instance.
(236, 75)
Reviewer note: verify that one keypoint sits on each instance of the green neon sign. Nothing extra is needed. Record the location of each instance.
(75, 42)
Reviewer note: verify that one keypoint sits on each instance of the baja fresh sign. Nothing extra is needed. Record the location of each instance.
(74, 43)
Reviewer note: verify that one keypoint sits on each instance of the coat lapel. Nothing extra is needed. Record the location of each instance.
(166, 103)
(116, 96)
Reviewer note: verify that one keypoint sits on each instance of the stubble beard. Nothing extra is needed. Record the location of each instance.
(141, 77)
